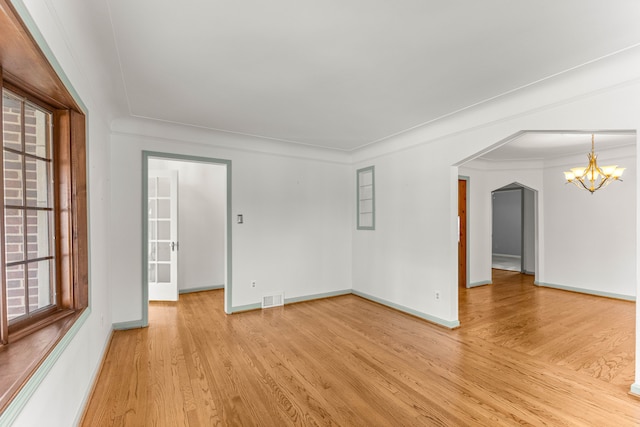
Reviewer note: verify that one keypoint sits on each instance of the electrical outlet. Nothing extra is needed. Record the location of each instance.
(437, 295)
(253, 283)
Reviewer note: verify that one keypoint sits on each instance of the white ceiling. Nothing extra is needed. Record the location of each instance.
(345, 73)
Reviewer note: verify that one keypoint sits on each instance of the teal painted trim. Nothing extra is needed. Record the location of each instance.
(482, 283)
(317, 296)
(133, 324)
(144, 321)
(433, 319)
(200, 289)
(46, 50)
(586, 291)
(468, 225)
(146, 155)
(19, 402)
(93, 380)
(247, 307)
(635, 389)
(373, 197)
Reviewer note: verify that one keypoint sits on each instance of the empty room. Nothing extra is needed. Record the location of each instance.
(319, 213)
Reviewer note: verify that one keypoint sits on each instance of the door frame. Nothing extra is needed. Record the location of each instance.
(467, 223)
(228, 285)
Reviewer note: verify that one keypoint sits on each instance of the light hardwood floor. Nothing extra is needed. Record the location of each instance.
(523, 356)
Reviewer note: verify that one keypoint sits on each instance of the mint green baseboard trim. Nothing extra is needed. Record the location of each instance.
(635, 389)
(200, 289)
(133, 324)
(247, 307)
(317, 296)
(586, 291)
(446, 323)
(476, 284)
(15, 407)
(93, 380)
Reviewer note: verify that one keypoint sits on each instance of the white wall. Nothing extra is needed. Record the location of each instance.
(590, 240)
(58, 400)
(297, 214)
(202, 209)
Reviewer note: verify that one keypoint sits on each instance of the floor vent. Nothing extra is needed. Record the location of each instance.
(272, 300)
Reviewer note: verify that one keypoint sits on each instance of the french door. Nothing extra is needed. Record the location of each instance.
(162, 244)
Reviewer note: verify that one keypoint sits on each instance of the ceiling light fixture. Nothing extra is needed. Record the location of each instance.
(593, 177)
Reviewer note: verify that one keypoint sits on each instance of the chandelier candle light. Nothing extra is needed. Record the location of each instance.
(593, 177)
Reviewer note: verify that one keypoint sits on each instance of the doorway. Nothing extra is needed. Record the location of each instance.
(513, 237)
(190, 169)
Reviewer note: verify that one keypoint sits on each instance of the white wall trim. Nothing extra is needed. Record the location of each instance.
(586, 291)
(635, 389)
(433, 319)
(200, 289)
(482, 283)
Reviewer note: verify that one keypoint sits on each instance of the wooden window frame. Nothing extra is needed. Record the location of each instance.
(25, 70)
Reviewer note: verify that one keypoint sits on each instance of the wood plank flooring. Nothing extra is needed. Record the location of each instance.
(523, 356)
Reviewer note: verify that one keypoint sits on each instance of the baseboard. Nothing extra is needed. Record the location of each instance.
(433, 319)
(476, 284)
(529, 273)
(200, 289)
(586, 291)
(635, 390)
(94, 382)
(507, 256)
(293, 300)
(317, 296)
(132, 324)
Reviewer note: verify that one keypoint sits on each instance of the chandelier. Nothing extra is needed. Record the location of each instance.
(593, 177)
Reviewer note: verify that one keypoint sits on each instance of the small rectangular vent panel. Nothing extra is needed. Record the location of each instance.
(274, 300)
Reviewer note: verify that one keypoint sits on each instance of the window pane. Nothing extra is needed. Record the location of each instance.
(152, 208)
(164, 251)
(13, 179)
(36, 131)
(152, 187)
(37, 173)
(152, 230)
(164, 186)
(11, 121)
(152, 272)
(164, 273)
(38, 244)
(16, 296)
(164, 209)
(39, 284)
(164, 230)
(152, 251)
(14, 234)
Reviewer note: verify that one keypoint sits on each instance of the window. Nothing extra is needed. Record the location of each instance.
(30, 282)
(366, 199)
(43, 227)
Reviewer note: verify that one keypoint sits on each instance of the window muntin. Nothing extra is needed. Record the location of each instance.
(366, 198)
(29, 226)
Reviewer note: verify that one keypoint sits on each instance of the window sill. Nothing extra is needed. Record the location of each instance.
(20, 359)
